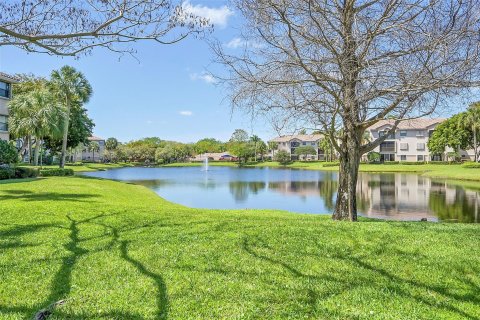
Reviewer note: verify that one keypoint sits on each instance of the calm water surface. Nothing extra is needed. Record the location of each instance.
(395, 196)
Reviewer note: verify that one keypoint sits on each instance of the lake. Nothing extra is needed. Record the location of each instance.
(395, 196)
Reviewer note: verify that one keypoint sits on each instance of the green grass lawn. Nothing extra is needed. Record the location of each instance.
(118, 251)
(84, 167)
(447, 171)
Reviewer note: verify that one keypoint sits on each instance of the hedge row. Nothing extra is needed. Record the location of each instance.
(471, 165)
(331, 164)
(25, 172)
(59, 172)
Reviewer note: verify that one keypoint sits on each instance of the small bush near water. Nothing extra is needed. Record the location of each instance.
(59, 172)
(471, 165)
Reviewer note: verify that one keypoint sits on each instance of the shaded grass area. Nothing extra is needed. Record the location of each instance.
(118, 251)
(447, 171)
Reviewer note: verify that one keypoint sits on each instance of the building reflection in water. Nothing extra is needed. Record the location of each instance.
(412, 197)
(388, 196)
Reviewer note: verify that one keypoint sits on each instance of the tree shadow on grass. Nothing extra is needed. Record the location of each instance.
(162, 295)
(257, 248)
(442, 291)
(26, 195)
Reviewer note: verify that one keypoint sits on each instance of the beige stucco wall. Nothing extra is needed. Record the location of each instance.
(412, 138)
(3, 112)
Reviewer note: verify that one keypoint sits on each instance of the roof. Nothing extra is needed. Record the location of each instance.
(412, 124)
(93, 138)
(301, 137)
(8, 78)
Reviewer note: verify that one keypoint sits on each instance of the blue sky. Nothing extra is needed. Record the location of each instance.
(166, 93)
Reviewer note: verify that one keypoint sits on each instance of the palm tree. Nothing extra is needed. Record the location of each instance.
(94, 146)
(255, 139)
(473, 120)
(73, 90)
(272, 146)
(110, 145)
(35, 113)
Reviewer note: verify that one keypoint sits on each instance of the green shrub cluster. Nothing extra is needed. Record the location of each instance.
(8, 153)
(6, 173)
(283, 157)
(331, 164)
(471, 165)
(59, 172)
(392, 162)
(413, 162)
(17, 173)
(23, 172)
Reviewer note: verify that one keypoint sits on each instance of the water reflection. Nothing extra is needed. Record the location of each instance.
(389, 196)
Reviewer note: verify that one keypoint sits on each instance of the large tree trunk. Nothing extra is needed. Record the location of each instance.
(65, 135)
(346, 206)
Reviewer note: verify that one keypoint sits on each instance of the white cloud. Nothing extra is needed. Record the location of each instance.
(216, 16)
(208, 78)
(186, 113)
(238, 42)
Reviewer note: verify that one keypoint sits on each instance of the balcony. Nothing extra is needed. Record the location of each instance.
(388, 146)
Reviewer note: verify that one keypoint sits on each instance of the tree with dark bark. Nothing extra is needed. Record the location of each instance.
(349, 64)
(70, 27)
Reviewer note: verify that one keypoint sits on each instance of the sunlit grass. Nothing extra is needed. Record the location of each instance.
(117, 251)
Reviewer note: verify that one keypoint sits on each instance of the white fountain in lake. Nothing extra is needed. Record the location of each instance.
(205, 164)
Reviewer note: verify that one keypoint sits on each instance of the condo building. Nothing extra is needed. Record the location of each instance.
(290, 143)
(409, 142)
(6, 82)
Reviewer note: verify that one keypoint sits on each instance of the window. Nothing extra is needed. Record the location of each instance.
(387, 157)
(420, 133)
(4, 89)
(294, 144)
(403, 157)
(313, 143)
(403, 133)
(403, 146)
(421, 146)
(383, 133)
(304, 143)
(3, 123)
(420, 157)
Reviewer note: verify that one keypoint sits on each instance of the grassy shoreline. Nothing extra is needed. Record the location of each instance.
(118, 251)
(85, 167)
(444, 171)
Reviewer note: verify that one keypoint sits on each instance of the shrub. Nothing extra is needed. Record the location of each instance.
(471, 165)
(391, 162)
(23, 172)
(413, 162)
(440, 162)
(59, 172)
(6, 173)
(331, 164)
(8, 153)
(373, 156)
(283, 157)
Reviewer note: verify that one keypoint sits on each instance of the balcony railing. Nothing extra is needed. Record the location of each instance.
(387, 149)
